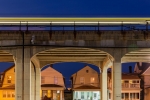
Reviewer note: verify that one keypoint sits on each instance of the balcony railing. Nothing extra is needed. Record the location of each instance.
(130, 85)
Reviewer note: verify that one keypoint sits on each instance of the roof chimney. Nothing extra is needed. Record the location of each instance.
(51, 65)
(130, 69)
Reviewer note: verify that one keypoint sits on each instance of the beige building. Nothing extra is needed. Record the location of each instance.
(143, 69)
(52, 84)
(7, 86)
(130, 86)
(86, 85)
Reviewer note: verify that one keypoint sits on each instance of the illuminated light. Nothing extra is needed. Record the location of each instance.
(41, 93)
(76, 18)
(130, 81)
(49, 93)
(93, 79)
(9, 77)
(58, 91)
(77, 22)
(148, 22)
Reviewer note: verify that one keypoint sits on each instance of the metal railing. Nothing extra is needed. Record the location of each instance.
(130, 85)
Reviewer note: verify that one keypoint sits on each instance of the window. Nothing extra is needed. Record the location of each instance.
(42, 79)
(44, 93)
(109, 95)
(87, 71)
(92, 80)
(126, 84)
(4, 94)
(55, 80)
(126, 81)
(126, 95)
(88, 95)
(136, 81)
(49, 93)
(136, 95)
(76, 94)
(132, 95)
(122, 95)
(8, 79)
(95, 95)
(130, 81)
(8, 94)
(82, 80)
(82, 95)
(12, 94)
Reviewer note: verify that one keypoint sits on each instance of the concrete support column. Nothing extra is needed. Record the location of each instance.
(104, 85)
(23, 74)
(107, 63)
(38, 83)
(18, 75)
(116, 80)
(33, 83)
(27, 74)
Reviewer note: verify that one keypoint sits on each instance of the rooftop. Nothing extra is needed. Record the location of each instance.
(127, 76)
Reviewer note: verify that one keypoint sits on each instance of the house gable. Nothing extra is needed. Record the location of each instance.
(9, 73)
(86, 73)
(136, 69)
(83, 71)
(52, 76)
(146, 72)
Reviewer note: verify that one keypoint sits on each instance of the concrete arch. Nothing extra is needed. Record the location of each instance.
(7, 56)
(35, 61)
(138, 55)
(69, 54)
(38, 49)
(100, 58)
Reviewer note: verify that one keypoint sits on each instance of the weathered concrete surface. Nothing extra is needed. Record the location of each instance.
(130, 46)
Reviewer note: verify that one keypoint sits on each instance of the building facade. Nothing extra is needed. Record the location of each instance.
(85, 84)
(143, 69)
(7, 88)
(52, 84)
(130, 86)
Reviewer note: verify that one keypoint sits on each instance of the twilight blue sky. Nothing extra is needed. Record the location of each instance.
(69, 68)
(73, 8)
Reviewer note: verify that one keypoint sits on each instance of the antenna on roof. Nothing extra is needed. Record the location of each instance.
(130, 69)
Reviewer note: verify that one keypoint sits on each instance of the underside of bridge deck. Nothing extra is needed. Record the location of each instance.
(72, 55)
(142, 55)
